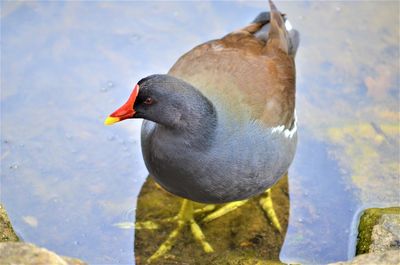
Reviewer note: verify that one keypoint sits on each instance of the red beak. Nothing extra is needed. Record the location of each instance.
(126, 111)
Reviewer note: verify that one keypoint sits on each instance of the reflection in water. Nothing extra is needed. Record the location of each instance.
(65, 179)
(317, 227)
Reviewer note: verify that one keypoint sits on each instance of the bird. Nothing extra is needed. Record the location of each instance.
(220, 126)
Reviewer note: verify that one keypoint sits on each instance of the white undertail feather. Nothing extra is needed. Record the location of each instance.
(288, 26)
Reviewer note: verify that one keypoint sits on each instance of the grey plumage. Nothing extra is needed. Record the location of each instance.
(227, 160)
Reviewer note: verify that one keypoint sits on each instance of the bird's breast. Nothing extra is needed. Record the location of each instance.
(240, 163)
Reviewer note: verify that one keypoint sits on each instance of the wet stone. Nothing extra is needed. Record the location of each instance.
(25, 253)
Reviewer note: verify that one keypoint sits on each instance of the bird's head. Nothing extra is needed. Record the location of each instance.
(163, 99)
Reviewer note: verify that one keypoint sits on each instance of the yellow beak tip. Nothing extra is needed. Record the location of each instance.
(111, 120)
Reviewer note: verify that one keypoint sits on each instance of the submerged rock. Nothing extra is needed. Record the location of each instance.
(24, 253)
(7, 233)
(379, 230)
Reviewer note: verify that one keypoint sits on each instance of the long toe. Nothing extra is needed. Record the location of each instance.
(227, 208)
(267, 205)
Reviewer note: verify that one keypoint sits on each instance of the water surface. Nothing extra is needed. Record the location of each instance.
(66, 179)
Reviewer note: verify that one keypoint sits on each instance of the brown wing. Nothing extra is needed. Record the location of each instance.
(245, 74)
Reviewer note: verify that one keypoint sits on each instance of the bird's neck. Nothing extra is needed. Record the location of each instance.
(195, 123)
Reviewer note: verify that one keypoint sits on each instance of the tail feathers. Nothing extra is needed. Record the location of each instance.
(278, 36)
(262, 18)
(294, 38)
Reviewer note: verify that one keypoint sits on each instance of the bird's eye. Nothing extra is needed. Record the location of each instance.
(148, 101)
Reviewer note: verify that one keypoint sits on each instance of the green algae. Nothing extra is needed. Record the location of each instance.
(243, 236)
(7, 233)
(368, 220)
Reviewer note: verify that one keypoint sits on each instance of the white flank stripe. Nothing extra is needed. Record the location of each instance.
(288, 133)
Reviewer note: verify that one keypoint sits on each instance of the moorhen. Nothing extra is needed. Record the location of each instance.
(221, 125)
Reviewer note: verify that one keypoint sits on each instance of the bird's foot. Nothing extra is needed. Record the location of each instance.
(265, 203)
(186, 216)
(183, 218)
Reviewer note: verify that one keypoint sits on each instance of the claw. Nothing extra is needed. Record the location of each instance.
(200, 237)
(268, 207)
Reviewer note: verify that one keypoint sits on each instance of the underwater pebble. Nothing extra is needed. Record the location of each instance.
(110, 84)
(111, 138)
(14, 166)
(30, 220)
(134, 38)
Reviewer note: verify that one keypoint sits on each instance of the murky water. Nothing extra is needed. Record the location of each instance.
(66, 179)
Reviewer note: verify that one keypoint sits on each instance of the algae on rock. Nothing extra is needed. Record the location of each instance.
(370, 218)
(6, 230)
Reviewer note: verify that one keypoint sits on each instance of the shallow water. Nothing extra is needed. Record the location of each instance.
(66, 179)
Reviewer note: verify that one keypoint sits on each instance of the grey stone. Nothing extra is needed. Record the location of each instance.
(390, 257)
(386, 234)
(12, 253)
